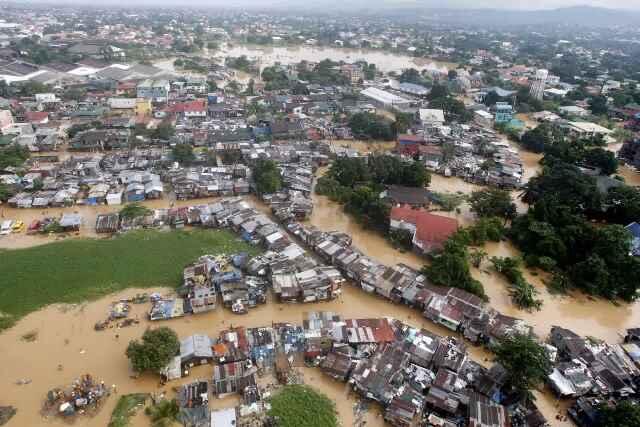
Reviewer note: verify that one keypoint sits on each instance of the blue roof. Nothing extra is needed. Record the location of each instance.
(634, 229)
(413, 88)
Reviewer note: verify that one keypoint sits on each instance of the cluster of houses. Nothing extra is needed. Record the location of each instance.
(89, 180)
(594, 373)
(471, 152)
(416, 376)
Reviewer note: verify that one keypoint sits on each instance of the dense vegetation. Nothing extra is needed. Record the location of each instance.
(301, 405)
(183, 154)
(154, 351)
(523, 293)
(324, 73)
(241, 63)
(371, 126)
(357, 184)
(134, 210)
(13, 156)
(451, 266)
(77, 270)
(555, 146)
(164, 413)
(525, 361)
(275, 78)
(624, 414)
(126, 408)
(556, 234)
(267, 176)
(492, 202)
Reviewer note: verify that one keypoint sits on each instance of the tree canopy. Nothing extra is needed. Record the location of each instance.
(154, 351)
(183, 154)
(624, 414)
(13, 155)
(492, 202)
(556, 228)
(371, 126)
(301, 405)
(267, 176)
(525, 361)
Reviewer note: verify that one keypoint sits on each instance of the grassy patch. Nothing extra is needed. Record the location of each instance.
(126, 408)
(78, 270)
(301, 405)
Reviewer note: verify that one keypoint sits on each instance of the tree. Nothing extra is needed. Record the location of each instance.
(402, 123)
(14, 155)
(371, 126)
(522, 292)
(267, 177)
(603, 159)
(438, 91)
(623, 414)
(537, 139)
(525, 361)
(492, 202)
(622, 205)
(212, 45)
(5, 192)
(183, 154)
(451, 268)
(301, 405)
(477, 256)
(598, 105)
(154, 351)
(164, 413)
(163, 131)
(134, 210)
(411, 75)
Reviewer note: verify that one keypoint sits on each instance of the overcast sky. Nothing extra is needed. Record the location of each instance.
(497, 4)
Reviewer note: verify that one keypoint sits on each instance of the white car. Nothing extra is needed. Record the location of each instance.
(6, 227)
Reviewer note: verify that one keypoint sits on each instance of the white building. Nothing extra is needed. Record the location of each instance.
(538, 83)
(483, 118)
(385, 99)
(431, 117)
(586, 129)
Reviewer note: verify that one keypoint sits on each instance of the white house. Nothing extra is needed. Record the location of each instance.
(431, 117)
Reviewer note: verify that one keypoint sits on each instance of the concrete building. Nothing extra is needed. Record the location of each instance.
(385, 99)
(504, 112)
(483, 118)
(538, 83)
(155, 90)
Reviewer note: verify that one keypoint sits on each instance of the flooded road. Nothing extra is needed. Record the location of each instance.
(65, 336)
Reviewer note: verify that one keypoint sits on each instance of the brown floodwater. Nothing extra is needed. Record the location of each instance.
(65, 336)
(384, 61)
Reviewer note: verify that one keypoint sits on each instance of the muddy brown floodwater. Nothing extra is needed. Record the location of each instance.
(66, 337)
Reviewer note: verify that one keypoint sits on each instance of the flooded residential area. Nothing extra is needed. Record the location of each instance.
(319, 216)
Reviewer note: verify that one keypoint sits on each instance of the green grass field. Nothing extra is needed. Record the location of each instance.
(79, 270)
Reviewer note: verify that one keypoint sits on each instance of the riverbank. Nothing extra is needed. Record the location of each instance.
(84, 269)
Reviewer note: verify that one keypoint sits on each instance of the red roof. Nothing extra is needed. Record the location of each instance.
(183, 107)
(430, 228)
(35, 116)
